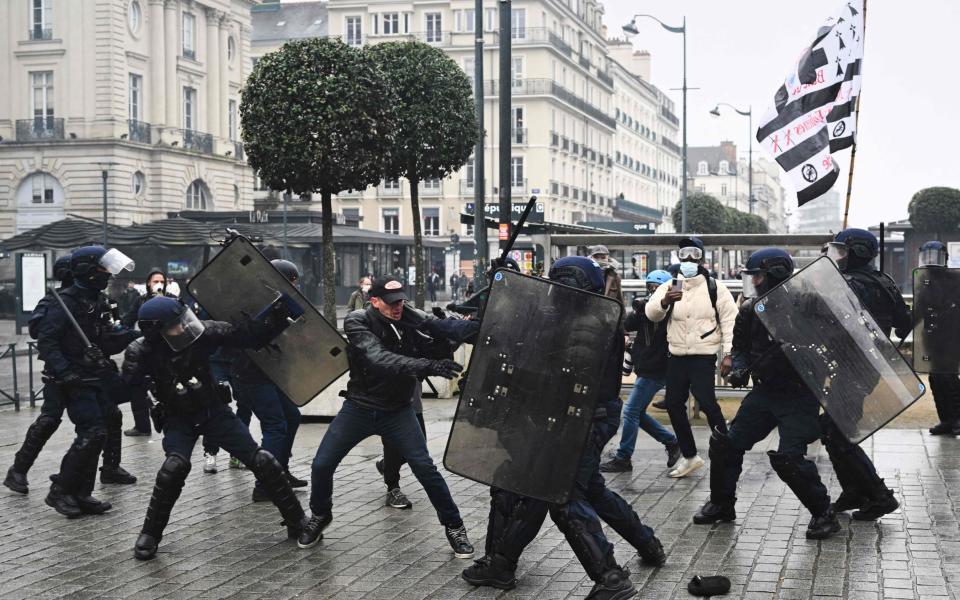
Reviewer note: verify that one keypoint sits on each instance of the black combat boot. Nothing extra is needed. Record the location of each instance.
(65, 504)
(823, 526)
(88, 504)
(494, 571)
(112, 472)
(882, 502)
(847, 501)
(615, 584)
(652, 552)
(166, 490)
(75, 472)
(37, 436)
(716, 512)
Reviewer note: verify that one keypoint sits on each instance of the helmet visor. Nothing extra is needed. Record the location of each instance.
(836, 251)
(933, 257)
(690, 252)
(184, 331)
(115, 261)
(751, 282)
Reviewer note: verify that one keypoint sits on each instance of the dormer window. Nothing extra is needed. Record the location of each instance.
(702, 168)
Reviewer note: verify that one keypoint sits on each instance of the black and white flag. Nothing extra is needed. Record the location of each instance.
(813, 112)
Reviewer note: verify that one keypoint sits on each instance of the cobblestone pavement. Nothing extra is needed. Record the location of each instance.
(221, 545)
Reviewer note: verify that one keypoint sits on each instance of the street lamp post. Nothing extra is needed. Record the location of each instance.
(749, 115)
(104, 173)
(631, 29)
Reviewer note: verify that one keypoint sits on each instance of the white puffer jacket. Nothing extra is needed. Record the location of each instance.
(693, 316)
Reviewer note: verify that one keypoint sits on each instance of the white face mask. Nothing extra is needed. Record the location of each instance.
(157, 288)
(365, 288)
(688, 269)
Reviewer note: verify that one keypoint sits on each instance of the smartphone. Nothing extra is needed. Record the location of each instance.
(677, 286)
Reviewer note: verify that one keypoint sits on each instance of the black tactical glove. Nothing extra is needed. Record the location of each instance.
(738, 378)
(445, 368)
(94, 355)
(69, 378)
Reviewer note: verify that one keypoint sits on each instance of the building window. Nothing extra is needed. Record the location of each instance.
(723, 190)
(431, 184)
(42, 84)
(518, 23)
(231, 49)
(406, 22)
(197, 195)
(351, 216)
(138, 183)
(236, 195)
(189, 108)
(391, 184)
(41, 19)
(724, 167)
(516, 72)
(354, 31)
(391, 23)
(702, 168)
(434, 28)
(491, 18)
(516, 172)
(134, 16)
(232, 119)
(468, 173)
(189, 35)
(431, 221)
(463, 21)
(43, 186)
(136, 97)
(391, 220)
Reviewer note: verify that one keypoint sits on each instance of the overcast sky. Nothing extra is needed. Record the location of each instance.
(740, 51)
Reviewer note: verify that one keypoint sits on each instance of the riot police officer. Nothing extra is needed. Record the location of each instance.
(779, 400)
(515, 520)
(944, 386)
(175, 356)
(74, 346)
(853, 250)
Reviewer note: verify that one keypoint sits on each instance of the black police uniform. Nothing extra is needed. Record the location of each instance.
(191, 404)
(861, 486)
(779, 400)
(89, 387)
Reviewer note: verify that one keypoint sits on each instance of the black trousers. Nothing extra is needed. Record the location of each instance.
(393, 459)
(140, 406)
(946, 396)
(686, 375)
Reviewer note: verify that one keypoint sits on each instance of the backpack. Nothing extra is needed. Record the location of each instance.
(712, 291)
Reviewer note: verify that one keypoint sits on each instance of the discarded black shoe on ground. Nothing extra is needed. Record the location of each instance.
(716, 585)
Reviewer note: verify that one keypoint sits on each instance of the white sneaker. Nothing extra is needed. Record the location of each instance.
(686, 466)
(210, 463)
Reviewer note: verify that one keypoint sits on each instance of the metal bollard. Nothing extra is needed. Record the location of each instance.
(16, 391)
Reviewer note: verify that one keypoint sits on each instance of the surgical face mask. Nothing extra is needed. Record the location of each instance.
(688, 269)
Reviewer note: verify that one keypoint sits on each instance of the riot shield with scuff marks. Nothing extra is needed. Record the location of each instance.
(532, 386)
(836, 346)
(240, 283)
(936, 320)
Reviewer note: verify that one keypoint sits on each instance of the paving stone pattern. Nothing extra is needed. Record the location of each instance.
(221, 545)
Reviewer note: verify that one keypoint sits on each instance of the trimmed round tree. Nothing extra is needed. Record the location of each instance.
(705, 214)
(935, 209)
(436, 126)
(315, 122)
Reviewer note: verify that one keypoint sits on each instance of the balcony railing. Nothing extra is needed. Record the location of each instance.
(39, 129)
(666, 114)
(605, 78)
(555, 188)
(518, 186)
(519, 136)
(430, 191)
(575, 149)
(585, 62)
(434, 38)
(138, 131)
(393, 191)
(466, 187)
(197, 140)
(41, 33)
(669, 144)
(565, 144)
(521, 36)
(559, 44)
(554, 139)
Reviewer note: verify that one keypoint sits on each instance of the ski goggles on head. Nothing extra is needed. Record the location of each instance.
(690, 252)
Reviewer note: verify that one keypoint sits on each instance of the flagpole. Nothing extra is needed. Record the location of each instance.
(856, 121)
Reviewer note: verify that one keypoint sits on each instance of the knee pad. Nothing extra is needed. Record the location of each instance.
(784, 464)
(47, 424)
(96, 434)
(174, 470)
(265, 464)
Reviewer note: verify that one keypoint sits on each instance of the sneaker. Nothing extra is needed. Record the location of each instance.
(312, 532)
(209, 463)
(116, 474)
(652, 552)
(135, 433)
(457, 536)
(396, 499)
(673, 453)
(714, 512)
(685, 466)
(824, 526)
(295, 482)
(493, 571)
(616, 465)
(236, 464)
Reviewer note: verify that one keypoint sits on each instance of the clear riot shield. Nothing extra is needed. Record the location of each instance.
(532, 386)
(239, 283)
(856, 373)
(936, 320)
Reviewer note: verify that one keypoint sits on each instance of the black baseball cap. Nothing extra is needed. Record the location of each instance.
(388, 289)
(690, 242)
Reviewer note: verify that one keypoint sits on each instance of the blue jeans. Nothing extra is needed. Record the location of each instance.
(279, 417)
(398, 428)
(635, 417)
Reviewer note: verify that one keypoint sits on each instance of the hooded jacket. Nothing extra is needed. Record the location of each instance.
(693, 316)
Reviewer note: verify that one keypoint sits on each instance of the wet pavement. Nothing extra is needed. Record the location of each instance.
(221, 545)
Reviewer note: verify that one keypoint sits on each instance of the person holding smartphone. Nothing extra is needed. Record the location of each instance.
(700, 313)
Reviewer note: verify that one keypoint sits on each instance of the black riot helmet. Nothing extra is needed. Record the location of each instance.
(92, 266)
(578, 272)
(853, 247)
(61, 271)
(170, 319)
(933, 254)
(765, 269)
(287, 269)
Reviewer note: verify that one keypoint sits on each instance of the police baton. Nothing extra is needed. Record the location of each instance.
(516, 230)
(73, 321)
